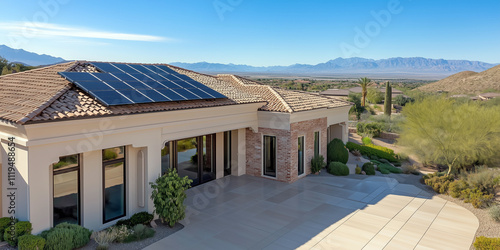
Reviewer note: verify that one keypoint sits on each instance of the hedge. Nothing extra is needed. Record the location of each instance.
(373, 150)
(338, 168)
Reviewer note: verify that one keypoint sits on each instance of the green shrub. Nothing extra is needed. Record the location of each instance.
(477, 198)
(357, 170)
(371, 129)
(31, 242)
(376, 162)
(410, 169)
(384, 161)
(385, 168)
(317, 163)
(483, 179)
(104, 238)
(124, 222)
(495, 212)
(338, 168)
(20, 228)
(4, 223)
(58, 238)
(141, 218)
(81, 235)
(455, 189)
(336, 151)
(168, 196)
(484, 243)
(140, 232)
(120, 233)
(367, 140)
(373, 151)
(369, 168)
(440, 184)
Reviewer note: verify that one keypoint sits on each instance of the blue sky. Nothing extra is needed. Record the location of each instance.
(254, 32)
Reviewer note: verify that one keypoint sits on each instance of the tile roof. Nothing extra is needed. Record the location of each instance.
(42, 95)
(282, 100)
(335, 92)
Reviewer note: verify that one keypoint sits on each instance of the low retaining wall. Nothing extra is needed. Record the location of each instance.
(383, 135)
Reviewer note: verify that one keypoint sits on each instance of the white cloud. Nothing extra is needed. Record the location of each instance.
(31, 29)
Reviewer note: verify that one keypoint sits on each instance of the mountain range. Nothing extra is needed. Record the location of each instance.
(26, 57)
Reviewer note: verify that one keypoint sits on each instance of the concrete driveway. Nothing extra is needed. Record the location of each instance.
(319, 212)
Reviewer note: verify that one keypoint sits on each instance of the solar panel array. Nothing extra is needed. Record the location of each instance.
(123, 84)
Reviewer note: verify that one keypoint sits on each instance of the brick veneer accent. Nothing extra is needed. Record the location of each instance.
(287, 143)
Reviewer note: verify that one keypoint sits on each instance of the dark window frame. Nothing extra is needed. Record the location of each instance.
(275, 154)
(63, 171)
(301, 164)
(104, 163)
(227, 153)
(317, 144)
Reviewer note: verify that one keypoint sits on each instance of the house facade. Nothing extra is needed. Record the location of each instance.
(68, 155)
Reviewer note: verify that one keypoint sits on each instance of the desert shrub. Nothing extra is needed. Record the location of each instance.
(120, 233)
(495, 212)
(168, 196)
(357, 170)
(401, 100)
(20, 228)
(104, 238)
(4, 223)
(373, 151)
(440, 184)
(484, 243)
(370, 129)
(367, 140)
(477, 198)
(410, 169)
(140, 232)
(336, 151)
(317, 163)
(81, 235)
(483, 179)
(31, 242)
(402, 157)
(58, 238)
(369, 168)
(141, 218)
(376, 162)
(455, 188)
(338, 168)
(388, 168)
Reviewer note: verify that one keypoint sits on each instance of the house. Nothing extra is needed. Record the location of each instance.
(344, 93)
(488, 96)
(80, 141)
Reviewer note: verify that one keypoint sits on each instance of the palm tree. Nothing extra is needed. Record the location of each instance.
(363, 82)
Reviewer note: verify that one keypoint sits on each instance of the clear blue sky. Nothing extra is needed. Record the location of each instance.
(254, 32)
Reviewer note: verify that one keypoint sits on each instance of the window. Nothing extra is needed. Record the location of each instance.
(316, 143)
(195, 158)
(113, 161)
(165, 158)
(300, 155)
(227, 153)
(66, 196)
(270, 156)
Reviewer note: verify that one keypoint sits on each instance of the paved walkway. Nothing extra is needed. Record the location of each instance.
(319, 212)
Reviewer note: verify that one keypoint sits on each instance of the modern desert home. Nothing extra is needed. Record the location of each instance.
(81, 140)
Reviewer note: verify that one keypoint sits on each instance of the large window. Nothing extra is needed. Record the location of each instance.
(270, 156)
(165, 158)
(300, 155)
(227, 153)
(66, 196)
(316, 143)
(195, 158)
(113, 161)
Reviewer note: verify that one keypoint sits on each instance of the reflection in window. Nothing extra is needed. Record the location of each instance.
(165, 158)
(114, 183)
(300, 155)
(187, 159)
(208, 167)
(66, 196)
(270, 156)
(316, 143)
(227, 153)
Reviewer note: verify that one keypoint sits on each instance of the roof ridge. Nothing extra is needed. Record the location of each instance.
(45, 105)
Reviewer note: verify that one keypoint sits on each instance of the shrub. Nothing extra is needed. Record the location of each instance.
(484, 243)
(58, 238)
(81, 235)
(477, 198)
(371, 129)
(168, 196)
(483, 179)
(141, 218)
(455, 189)
(369, 168)
(376, 162)
(317, 163)
(440, 184)
(410, 169)
(336, 151)
(358, 170)
(20, 228)
(124, 222)
(367, 140)
(385, 168)
(338, 168)
(373, 151)
(104, 238)
(31, 242)
(4, 223)
(120, 233)
(495, 212)
(140, 232)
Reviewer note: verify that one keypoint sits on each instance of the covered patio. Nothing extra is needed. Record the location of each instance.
(319, 212)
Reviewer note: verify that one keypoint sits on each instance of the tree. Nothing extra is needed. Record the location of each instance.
(356, 108)
(5, 70)
(363, 82)
(440, 131)
(401, 100)
(374, 96)
(388, 99)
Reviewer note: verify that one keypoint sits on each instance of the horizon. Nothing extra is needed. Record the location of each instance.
(256, 33)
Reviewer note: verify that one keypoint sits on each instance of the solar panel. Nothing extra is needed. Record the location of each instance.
(121, 84)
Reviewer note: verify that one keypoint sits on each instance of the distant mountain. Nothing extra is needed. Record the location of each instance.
(398, 65)
(467, 82)
(26, 57)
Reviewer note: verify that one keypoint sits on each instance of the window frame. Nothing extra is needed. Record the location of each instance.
(303, 155)
(317, 143)
(104, 163)
(275, 139)
(64, 171)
